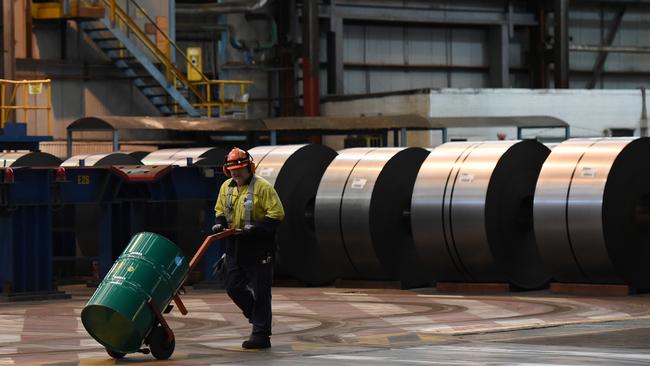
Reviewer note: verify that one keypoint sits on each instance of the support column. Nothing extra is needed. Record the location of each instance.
(287, 34)
(335, 52)
(8, 40)
(310, 58)
(561, 45)
(171, 27)
(539, 55)
(499, 56)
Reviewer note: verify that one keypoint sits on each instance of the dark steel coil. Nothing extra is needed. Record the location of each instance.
(472, 212)
(295, 171)
(374, 209)
(28, 159)
(109, 159)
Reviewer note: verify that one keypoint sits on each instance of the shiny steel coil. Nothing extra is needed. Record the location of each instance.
(295, 171)
(471, 212)
(327, 212)
(101, 160)
(375, 187)
(197, 155)
(592, 210)
(28, 159)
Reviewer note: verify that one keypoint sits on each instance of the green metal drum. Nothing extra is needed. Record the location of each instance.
(117, 315)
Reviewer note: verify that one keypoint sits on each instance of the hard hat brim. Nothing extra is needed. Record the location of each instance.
(238, 166)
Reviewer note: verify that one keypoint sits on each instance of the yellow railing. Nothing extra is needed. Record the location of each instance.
(172, 73)
(222, 103)
(33, 87)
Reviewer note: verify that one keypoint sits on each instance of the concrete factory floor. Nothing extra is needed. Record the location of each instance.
(336, 326)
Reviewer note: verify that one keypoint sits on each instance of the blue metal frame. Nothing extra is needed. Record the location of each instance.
(14, 137)
(123, 204)
(26, 227)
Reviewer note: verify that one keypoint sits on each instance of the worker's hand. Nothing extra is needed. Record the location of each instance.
(217, 228)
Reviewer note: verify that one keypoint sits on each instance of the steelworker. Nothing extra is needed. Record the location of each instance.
(251, 205)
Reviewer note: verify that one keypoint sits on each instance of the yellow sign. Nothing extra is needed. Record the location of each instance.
(130, 269)
(83, 179)
(194, 63)
(35, 88)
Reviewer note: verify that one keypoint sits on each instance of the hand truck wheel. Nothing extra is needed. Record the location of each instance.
(115, 354)
(161, 347)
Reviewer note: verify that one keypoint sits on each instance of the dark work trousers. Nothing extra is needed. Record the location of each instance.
(249, 287)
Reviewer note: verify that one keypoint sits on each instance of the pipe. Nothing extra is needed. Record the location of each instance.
(238, 44)
(611, 49)
(221, 8)
(310, 58)
(273, 35)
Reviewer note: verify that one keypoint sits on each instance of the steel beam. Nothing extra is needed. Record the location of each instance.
(335, 53)
(599, 64)
(310, 58)
(8, 43)
(499, 55)
(561, 45)
(609, 49)
(392, 14)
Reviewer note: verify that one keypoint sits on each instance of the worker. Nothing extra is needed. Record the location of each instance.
(251, 205)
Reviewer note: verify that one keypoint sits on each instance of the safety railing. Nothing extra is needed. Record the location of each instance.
(221, 102)
(29, 87)
(172, 73)
(66, 9)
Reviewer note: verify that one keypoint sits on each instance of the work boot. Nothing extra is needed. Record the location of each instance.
(257, 341)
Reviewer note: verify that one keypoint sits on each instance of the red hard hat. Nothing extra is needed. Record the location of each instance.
(237, 158)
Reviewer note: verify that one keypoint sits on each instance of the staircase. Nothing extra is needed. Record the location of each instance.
(131, 49)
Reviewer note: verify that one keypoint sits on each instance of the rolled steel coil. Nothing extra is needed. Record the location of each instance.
(109, 159)
(327, 212)
(28, 159)
(592, 210)
(295, 171)
(375, 187)
(212, 156)
(471, 212)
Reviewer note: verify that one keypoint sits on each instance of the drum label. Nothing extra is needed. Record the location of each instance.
(358, 183)
(588, 172)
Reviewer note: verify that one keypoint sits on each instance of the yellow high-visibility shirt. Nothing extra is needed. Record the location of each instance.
(265, 202)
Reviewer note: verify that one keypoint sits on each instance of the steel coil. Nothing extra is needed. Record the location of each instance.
(327, 212)
(295, 171)
(28, 159)
(592, 206)
(211, 156)
(472, 212)
(109, 159)
(374, 207)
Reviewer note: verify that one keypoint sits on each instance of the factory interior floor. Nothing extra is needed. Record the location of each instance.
(344, 326)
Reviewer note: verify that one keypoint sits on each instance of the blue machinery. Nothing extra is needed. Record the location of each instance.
(26, 201)
(14, 137)
(52, 214)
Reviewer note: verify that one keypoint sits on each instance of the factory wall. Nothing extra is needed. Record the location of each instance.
(589, 113)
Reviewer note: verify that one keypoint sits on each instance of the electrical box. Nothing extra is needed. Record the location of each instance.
(194, 64)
